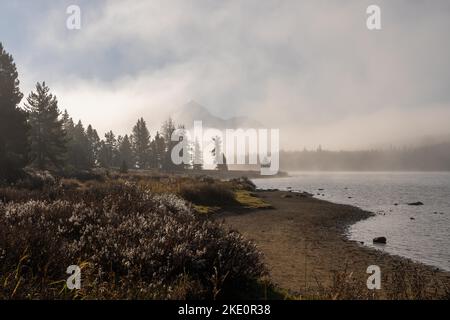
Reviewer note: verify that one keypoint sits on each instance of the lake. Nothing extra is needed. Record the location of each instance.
(421, 233)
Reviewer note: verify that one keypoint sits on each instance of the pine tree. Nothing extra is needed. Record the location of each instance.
(186, 147)
(13, 121)
(167, 130)
(93, 146)
(158, 151)
(141, 144)
(198, 156)
(47, 135)
(126, 152)
(108, 150)
(219, 157)
(103, 155)
(124, 167)
(78, 147)
(67, 122)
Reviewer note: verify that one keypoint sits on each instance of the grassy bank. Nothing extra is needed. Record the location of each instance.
(134, 236)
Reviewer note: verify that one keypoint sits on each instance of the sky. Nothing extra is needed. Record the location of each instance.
(309, 68)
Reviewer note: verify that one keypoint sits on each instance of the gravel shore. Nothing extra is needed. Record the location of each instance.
(304, 244)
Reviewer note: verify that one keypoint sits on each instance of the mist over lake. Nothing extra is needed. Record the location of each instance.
(421, 233)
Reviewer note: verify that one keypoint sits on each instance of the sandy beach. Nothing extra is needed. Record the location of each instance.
(304, 245)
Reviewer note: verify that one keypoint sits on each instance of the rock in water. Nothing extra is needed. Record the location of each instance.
(382, 240)
(418, 203)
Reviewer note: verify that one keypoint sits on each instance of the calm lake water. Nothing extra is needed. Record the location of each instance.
(421, 233)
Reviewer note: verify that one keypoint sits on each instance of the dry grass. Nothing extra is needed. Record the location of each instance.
(251, 200)
(403, 282)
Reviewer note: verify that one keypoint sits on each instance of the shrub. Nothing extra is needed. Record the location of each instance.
(209, 194)
(36, 180)
(243, 183)
(81, 175)
(131, 243)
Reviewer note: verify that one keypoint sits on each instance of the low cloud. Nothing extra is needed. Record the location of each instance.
(310, 68)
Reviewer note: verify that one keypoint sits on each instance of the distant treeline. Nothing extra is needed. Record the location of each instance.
(425, 158)
(38, 134)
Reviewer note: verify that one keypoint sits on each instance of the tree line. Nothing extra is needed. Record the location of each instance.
(433, 157)
(38, 134)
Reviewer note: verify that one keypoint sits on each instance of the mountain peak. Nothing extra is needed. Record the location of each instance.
(194, 111)
(193, 105)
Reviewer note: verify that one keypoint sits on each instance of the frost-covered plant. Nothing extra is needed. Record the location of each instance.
(136, 244)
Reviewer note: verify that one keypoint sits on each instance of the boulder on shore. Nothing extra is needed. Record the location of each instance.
(382, 240)
(304, 194)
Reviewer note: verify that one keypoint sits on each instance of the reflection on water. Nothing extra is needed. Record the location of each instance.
(421, 233)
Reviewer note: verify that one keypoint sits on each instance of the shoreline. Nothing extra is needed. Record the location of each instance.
(305, 246)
